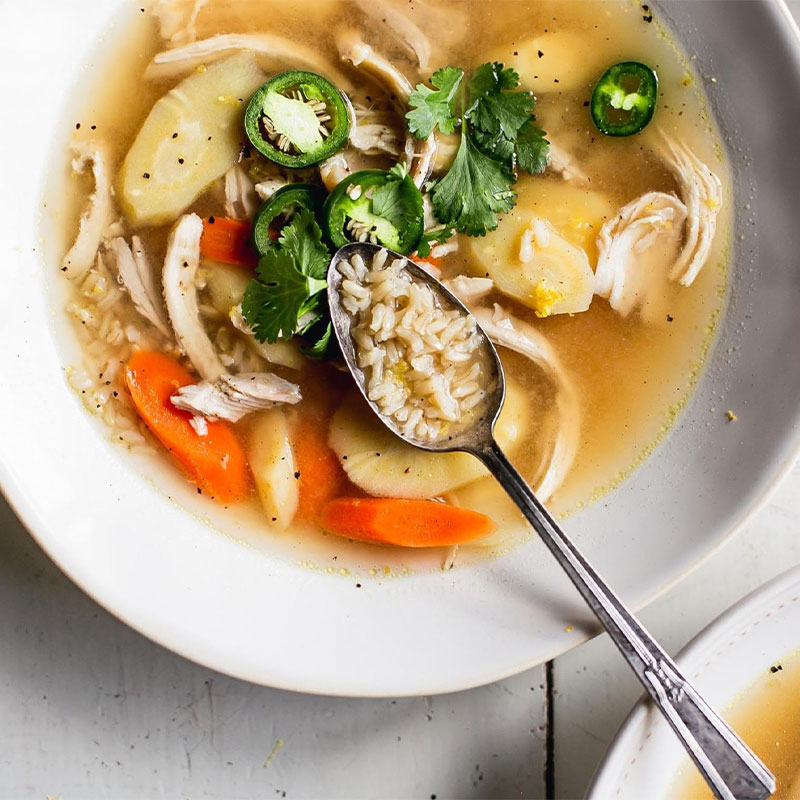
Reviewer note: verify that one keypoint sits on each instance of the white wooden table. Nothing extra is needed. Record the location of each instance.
(90, 710)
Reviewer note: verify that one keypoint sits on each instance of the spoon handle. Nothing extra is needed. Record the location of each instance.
(731, 769)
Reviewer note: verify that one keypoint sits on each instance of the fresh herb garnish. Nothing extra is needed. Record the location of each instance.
(498, 137)
(290, 285)
(435, 107)
(396, 200)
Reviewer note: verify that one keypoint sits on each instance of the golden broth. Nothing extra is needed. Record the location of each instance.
(769, 721)
(632, 378)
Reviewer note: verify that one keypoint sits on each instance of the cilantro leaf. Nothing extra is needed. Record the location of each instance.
(398, 201)
(532, 148)
(432, 107)
(431, 237)
(291, 277)
(491, 78)
(475, 190)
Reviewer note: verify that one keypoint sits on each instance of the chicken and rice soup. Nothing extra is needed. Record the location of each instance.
(553, 162)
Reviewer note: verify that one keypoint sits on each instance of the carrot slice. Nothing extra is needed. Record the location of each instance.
(215, 462)
(408, 523)
(320, 475)
(229, 241)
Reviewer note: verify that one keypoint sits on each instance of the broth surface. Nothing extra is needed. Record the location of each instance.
(633, 378)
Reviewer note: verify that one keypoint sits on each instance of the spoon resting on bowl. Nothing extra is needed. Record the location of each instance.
(388, 312)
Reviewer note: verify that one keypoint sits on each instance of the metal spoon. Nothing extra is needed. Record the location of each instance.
(731, 769)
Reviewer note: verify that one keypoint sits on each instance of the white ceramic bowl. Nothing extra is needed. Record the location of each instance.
(259, 615)
(645, 759)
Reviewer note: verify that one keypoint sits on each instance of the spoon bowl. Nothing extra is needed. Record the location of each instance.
(732, 770)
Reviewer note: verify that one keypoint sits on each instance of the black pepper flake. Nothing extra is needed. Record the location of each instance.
(406, 470)
(297, 475)
(585, 103)
(175, 135)
(670, 318)
(180, 161)
(209, 138)
(648, 18)
(77, 126)
(344, 458)
(776, 668)
(146, 176)
(211, 220)
(63, 269)
(358, 586)
(274, 519)
(199, 490)
(516, 52)
(539, 53)
(555, 80)
(94, 127)
(378, 455)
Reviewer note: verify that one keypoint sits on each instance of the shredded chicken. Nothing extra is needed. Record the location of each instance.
(232, 397)
(266, 188)
(397, 23)
(636, 252)
(333, 171)
(274, 49)
(180, 292)
(99, 213)
(177, 20)
(135, 274)
(563, 162)
(374, 131)
(701, 192)
(420, 153)
(469, 290)
(507, 331)
(240, 195)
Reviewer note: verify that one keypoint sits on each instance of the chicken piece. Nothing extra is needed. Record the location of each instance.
(231, 397)
(136, 275)
(469, 290)
(272, 49)
(333, 171)
(240, 195)
(397, 23)
(99, 214)
(637, 250)
(177, 19)
(701, 192)
(420, 153)
(507, 331)
(180, 293)
(375, 131)
(266, 188)
(565, 164)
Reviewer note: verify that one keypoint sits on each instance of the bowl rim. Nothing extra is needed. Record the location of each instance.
(24, 507)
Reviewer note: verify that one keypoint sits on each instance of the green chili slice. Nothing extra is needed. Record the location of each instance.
(624, 99)
(375, 206)
(279, 210)
(297, 119)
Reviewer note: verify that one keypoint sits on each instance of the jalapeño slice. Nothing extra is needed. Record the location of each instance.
(375, 206)
(624, 100)
(279, 210)
(297, 119)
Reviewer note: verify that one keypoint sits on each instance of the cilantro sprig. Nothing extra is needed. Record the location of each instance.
(498, 138)
(287, 298)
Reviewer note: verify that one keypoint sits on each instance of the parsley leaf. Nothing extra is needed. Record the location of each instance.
(532, 148)
(291, 278)
(494, 109)
(474, 191)
(432, 107)
(430, 237)
(398, 200)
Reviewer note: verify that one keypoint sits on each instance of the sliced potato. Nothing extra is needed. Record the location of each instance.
(568, 61)
(538, 255)
(226, 286)
(164, 172)
(269, 451)
(381, 464)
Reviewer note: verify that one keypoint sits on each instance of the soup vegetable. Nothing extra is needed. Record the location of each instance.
(552, 162)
